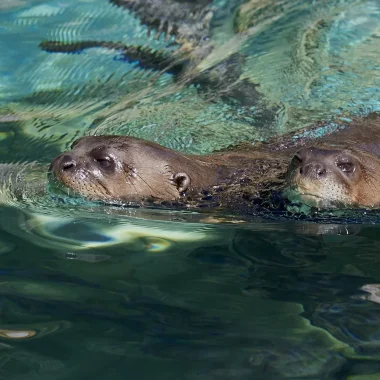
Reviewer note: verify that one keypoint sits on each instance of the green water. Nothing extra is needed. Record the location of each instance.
(102, 292)
(109, 296)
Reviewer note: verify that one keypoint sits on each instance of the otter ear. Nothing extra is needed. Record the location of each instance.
(182, 181)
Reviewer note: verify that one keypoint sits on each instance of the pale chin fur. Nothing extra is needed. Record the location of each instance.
(310, 200)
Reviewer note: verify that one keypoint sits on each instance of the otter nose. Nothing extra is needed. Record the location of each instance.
(67, 163)
(313, 169)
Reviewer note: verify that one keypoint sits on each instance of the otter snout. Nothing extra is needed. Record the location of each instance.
(309, 163)
(313, 169)
(66, 163)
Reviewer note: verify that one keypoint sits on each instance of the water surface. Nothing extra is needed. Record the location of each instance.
(92, 291)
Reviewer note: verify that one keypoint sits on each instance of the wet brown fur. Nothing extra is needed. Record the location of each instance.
(146, 170)
(238, 176)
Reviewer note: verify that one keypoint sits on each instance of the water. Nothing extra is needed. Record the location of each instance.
(93, 291)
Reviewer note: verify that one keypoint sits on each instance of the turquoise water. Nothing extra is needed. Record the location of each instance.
(92, 291)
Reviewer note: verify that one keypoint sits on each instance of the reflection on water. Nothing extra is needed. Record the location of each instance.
(265, 300)
(272, 299)
(89, 291)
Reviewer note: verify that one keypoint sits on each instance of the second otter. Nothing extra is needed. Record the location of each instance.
(341, 171)
(340, 178)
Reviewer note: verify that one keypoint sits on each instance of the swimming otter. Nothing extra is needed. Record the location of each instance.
(335, 178)
(127, 169)
(341, 171)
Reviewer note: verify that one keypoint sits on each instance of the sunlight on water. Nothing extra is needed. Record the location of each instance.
(324, 62)
(312, 62)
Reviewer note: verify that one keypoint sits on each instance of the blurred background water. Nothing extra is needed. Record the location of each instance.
(105, 292)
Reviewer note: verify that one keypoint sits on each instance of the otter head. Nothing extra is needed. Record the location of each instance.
(334, 177)
(120, 168)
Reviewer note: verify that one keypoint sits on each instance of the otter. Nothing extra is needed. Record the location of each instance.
(131, 170)
(343, 169)
(327, 178)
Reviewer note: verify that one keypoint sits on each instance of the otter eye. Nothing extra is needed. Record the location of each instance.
(103, 159)
(104, 162)
(346, 167)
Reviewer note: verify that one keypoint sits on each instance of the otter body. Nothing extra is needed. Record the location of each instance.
(343, 168)
(127, 169)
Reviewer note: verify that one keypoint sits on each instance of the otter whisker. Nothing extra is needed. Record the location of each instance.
(104, 188)
(142, 179)
(156, 183)
(370, 178)
(131, 182)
